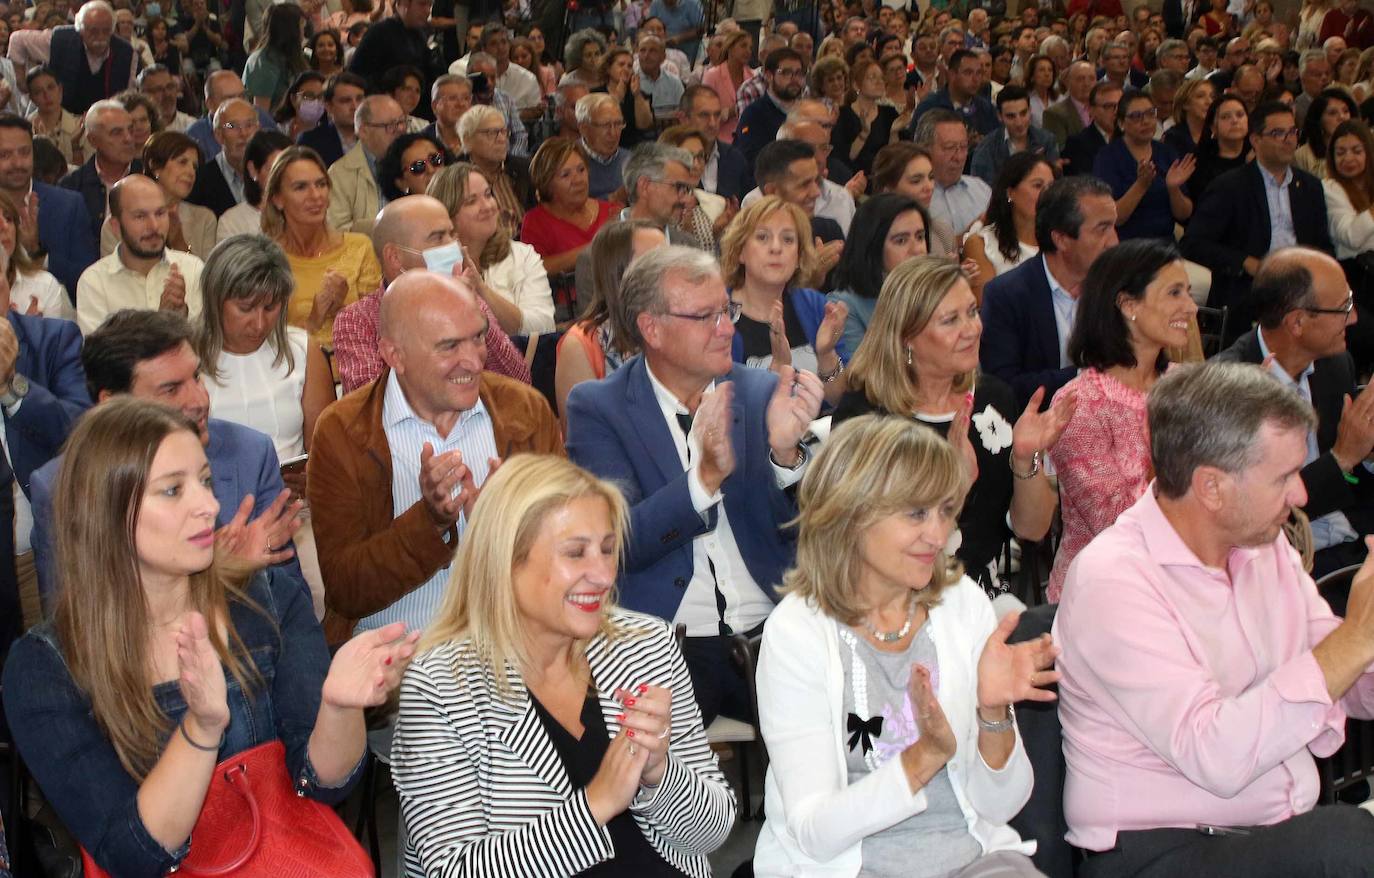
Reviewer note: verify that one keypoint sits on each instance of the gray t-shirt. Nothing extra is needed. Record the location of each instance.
(936, 842)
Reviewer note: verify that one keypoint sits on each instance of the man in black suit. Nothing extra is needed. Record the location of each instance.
(219, 183)
(1029, 312)
(398, 40)
(334, 136)
(115, 157)
(1254, 210)
(1081, 149)
(1179, 16)
(1304, 306)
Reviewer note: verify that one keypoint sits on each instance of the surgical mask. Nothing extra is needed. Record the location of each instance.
(310, 111)
(442, 259)
(152, 10)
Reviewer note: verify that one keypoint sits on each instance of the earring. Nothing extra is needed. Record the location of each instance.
(1131, 318)
(908, 356)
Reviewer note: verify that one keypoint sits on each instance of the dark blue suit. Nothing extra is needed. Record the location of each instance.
(64, 230)
(1020, 341)
(617, 430)
(50, 358)
(85, 182)
(734, 173)
(324, 139)
(242, 462)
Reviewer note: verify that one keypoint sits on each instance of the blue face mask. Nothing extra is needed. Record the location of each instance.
(152, 10)
(444, 258)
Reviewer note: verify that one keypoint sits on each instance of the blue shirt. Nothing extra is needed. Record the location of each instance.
(1065, 312)
(960, 204)
(684, 15)
(1281, 231)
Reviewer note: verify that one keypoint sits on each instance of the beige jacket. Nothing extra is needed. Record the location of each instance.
(353, 196)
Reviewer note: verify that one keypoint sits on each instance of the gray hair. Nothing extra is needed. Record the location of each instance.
(363, 114)
(447, 79)
(1114, 44)
(492, 29)
(92, 118)
(925, 129)
(483, 58)
(210, 81)
(572, 51)
(1169, 45)
(644, 291)
(92, 6)
(243, 267)
(1210, 414)
(590, 103)
(1308, 57)
(1164, 79)
(1054, 41)
(646, 38)
(150, 71)
(650, 161)
(472, 119)
(226, 106)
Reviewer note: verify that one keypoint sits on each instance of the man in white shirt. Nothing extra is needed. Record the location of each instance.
(517, 82)
(835, 201)
(141, 273)
(158, 83)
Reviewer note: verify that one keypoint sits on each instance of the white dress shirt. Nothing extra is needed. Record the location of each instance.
(109, 286)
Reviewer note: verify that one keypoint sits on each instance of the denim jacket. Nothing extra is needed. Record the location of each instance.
(78, 769)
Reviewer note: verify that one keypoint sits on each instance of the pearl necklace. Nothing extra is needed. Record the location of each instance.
(894, 636)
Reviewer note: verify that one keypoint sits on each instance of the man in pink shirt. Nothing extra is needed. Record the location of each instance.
(1201, 669)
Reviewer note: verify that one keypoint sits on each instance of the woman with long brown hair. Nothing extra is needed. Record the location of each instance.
(162, 659)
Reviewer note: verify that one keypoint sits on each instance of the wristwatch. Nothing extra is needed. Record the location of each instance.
(18, 389)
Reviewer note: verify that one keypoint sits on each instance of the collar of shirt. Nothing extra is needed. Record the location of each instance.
(1056, 288)
(120, 266)
(231, 176)
(669, 403)
(1299, 383)
(396, 409)
(1271, 183)
(1167, 548)
(95, 63)
(587, 148)
(785, 108)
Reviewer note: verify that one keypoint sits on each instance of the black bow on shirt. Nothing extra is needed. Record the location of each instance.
(865, 730)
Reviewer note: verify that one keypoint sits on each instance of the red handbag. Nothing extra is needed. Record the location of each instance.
(253, 825)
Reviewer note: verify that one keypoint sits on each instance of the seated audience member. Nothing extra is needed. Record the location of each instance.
(450, 96)
(1135, 305)
(332, 268)
(1244, 215)
(1202, 671)
(136, 559)
(562, 224)
(958, 198)
(765, 257)
(658, 188)
(114, 155)
(1225, 144)
(1304, 306)
(409, 164)
(1015, 135)
(790, 170)
(810, 122)
(1349, 188)
(705, 220)
(600, 124)
(50, 119)
(507, 275)
(302, 107)
(220, 86)
(1042, 90)
(881, 626)
(170, 159)
(150, 355)
(760, 121)
(406, 230)
(63, 231)
(706, 548)
(960, 96)
(864, 125)
(485, 141)
(1146, 175)
(335, 135)
(888, 229)
(1191, 103)
(906, 169)
(1006, 237)
(1072, 114)
(219, 184)
(354, 196)
(589, 349)
(919, 360)
(634, 791)
(260, 372)
(1028, 313)
(622, 84)
(404, 84)
(1080, 151)
(142, 272)
(246, 218)
(662, 89)
(727, 172)
(32, 290)
(396, 465)
(1328, 109)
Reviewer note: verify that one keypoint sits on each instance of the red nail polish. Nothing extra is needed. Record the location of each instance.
(630, 733)
(620, 717)
(388, 660)
(643, 687)
(629, 702)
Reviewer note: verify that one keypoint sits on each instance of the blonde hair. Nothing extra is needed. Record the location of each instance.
(906, 302)
(479, 604)
(871, 467)
(273, 222)
(450, 186)
(742, 227)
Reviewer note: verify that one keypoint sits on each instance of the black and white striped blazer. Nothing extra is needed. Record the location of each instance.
(484, 792)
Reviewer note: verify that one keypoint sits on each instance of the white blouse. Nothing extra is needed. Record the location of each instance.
(1351, 232)
(253, 392)
(1001, 264)
(46, 290)
(521, 278)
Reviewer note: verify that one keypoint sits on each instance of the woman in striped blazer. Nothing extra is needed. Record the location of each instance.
(542, 729)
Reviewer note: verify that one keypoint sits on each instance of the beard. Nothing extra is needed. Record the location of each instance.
(788, 93)
(143, 252)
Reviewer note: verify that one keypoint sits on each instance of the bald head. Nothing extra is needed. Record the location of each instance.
(810, 108)
(405, 228)
(434, 337)
(134, 187)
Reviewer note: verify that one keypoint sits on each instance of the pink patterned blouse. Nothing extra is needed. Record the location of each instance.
(1102, 461)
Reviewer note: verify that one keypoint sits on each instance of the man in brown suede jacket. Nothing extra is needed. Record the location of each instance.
(396, 466)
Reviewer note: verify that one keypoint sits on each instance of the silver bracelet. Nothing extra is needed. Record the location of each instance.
(1002, 725)
(1034, 470)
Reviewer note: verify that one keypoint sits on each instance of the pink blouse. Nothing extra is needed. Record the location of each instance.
(1102, 461)
(718, 78)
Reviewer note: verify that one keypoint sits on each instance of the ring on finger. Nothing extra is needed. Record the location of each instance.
(633, 751)
(666, 729)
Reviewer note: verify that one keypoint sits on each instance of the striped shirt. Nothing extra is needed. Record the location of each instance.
(406, 435)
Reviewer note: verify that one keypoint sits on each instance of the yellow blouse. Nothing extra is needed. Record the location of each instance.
(353, 259)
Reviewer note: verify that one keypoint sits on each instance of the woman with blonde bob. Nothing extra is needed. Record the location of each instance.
(541, 725)
(766, 255)
(919, 360)
(885, 681)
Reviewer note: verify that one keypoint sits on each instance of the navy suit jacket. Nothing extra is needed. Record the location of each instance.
(1020, 341)
(211, 190)
(242, 462)
(324, 139)
(50, 358)
(85, 181)
(1080, 151)
(734, 173)
(617, 430)
(64, 230)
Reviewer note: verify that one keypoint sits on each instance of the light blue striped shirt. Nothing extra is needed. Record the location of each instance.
(406, 435)
(1281, 231)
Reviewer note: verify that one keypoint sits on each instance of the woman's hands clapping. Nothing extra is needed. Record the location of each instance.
(368, 667)
(1038, 431)
(1012, 672)
(648, 720)
(937, 744)
(831, 328)
(201, 677)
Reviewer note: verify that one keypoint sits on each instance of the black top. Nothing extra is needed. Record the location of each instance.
(983, 521)
(1209, 167)
(581, 757)
(755, 334)
(632, 136)
(848, 127)
(1180, 137)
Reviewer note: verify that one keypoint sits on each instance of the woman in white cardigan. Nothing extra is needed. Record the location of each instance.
(885, 682)
(544, 732)
(1349, 187)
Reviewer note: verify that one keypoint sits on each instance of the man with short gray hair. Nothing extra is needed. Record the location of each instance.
(113, 157)
(354, 192)
(219, 184)
(704, 449)
(658, 184)
(600, 124)
(1201, 669)
(663, 89)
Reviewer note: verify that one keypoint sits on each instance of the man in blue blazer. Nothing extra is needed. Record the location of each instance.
(705, 451)
(1029, 312)
(148, 354)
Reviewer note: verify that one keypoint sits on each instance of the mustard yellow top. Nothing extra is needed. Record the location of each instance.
(353, 259)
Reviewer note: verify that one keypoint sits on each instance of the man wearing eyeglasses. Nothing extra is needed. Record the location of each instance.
(355, 194)
(219, 183)
(1254, 210)
(704, 450)
(600, 123)
(1305, 306)
(107, 129)
(760, 121)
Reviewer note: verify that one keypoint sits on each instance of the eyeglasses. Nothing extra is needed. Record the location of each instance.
(1282, 133)
(683, 189)
(712, 318)
(250, 125)
(418, 166)
(1142, 115)
(617, 125)
(393, 126)
(492, 133)
(1112, 106)
(1343, 311)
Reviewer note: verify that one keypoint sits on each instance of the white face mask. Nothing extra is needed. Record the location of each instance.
(442, 259)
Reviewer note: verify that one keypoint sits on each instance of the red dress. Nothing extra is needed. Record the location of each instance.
(550, 236)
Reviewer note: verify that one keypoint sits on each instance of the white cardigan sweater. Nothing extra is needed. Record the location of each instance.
(1352, 233)
(816, 820)
(521, 278)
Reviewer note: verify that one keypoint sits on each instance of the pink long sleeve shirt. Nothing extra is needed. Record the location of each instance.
(1190, 694)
